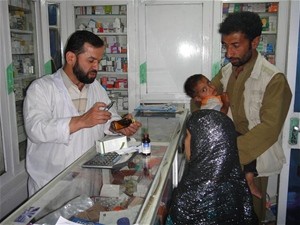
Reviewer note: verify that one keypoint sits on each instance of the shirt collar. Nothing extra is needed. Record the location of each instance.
(69, 84)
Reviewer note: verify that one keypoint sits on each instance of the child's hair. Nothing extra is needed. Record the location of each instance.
(190, 84)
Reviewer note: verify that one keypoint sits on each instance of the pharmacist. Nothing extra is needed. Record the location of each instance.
(64, 112)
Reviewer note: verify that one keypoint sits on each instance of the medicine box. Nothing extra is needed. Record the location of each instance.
(111, 143)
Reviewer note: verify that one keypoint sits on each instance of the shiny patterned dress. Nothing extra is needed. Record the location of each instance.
(213, 189)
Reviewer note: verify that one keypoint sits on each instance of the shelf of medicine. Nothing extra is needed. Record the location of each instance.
(110, 34)
(111, 73)
(93, 16)
(117, 89)
(16, 31)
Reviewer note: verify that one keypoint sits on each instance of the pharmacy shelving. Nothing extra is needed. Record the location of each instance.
(109, 22)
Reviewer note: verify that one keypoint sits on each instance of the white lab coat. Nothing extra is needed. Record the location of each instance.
(48, 109)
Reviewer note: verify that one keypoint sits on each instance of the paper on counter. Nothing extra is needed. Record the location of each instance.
(111, 217)
(62, 221)
(110, 190)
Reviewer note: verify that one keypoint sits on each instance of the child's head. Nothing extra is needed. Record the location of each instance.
(199, 87)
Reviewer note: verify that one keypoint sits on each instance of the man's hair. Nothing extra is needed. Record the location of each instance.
(248, 23)
(79, 38)
(190, 84)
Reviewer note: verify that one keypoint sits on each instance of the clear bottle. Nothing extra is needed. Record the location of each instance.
(120, 124)
(146, 166)
(146, 145)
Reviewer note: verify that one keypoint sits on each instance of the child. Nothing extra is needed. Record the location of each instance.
(213, 188)
(204, 94)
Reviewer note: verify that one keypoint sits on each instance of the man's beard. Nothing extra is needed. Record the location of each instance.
(82, 76)
(244, 60)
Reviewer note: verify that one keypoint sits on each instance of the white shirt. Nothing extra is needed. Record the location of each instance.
(79, 97)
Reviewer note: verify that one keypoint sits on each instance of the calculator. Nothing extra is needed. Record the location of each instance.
(109, 160)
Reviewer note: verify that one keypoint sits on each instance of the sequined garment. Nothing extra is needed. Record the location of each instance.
(213, 188)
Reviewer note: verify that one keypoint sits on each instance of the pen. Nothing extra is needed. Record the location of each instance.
(109, 105)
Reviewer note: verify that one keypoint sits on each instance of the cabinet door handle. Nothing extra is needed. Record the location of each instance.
(294, 131)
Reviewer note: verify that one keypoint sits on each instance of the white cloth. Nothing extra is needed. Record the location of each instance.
(48, 110)
(213, 103)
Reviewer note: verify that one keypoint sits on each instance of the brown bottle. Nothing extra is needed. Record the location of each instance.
(120, 124)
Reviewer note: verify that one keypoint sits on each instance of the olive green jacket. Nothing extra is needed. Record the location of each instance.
(259, 101)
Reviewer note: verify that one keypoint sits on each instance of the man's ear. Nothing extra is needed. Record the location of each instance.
(255, 42)
(70, 58)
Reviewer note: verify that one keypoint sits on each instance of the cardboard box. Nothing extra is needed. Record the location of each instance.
(111, 143)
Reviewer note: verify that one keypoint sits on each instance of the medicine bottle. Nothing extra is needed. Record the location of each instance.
(146, 146)
(120, 124)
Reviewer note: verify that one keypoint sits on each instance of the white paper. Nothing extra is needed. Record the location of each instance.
(110, 190)
(63, 221)
(111, 217)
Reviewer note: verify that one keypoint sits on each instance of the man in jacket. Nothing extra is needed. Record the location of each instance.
(259, 97)
(64, 112)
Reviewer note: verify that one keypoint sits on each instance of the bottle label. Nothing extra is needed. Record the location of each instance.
(146, 148)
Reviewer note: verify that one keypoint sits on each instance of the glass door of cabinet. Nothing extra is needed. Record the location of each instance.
(24, 59)
(52, 35)
(55, 36)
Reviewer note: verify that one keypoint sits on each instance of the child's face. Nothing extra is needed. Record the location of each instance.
(204, 89)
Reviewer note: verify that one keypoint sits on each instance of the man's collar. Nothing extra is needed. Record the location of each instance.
(68, 82)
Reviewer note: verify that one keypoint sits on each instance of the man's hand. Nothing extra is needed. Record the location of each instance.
(225, 101)
(94, 116)
(132, 129)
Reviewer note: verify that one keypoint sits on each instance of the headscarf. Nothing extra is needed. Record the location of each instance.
(213, 188)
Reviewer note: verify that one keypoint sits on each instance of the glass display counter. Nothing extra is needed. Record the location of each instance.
(138, 192)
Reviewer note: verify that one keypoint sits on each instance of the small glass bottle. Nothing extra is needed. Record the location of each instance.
(146, 145)
(146, 166)
(120, 124)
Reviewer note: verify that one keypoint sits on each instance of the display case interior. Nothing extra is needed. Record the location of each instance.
(24, 58)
